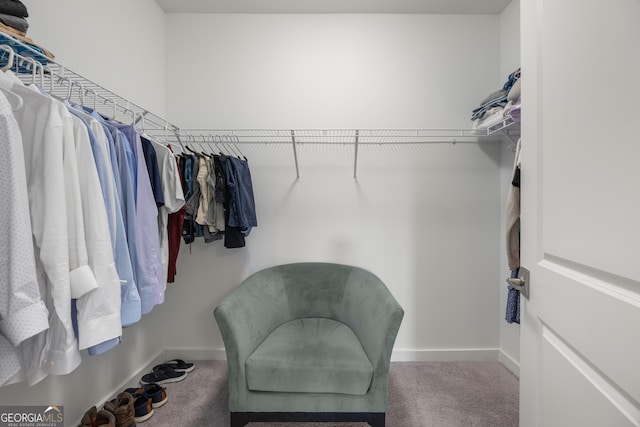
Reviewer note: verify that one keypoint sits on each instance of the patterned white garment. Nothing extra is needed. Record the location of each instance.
(42, 141)
(23, 313)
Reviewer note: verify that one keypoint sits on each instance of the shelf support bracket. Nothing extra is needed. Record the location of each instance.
(355, 159)
(295, 153)
(509, 137)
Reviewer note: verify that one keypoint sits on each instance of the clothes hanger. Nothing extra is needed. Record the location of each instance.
(95, 98)
(61, 80)
(11, 58)
(166, 139)
(189, 148)
(34, 69)
(236, 153)
(236, 144)
(35, 66)
(115, 107)
(201, 152)
(14, 100)
(42, 73)
(206, 144)
(213, 141)
(222, 150)
(81, 92)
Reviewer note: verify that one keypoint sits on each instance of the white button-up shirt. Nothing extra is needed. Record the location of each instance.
(23, 314)
(42, 132)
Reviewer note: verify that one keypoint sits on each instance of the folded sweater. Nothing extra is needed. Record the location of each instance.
(15, 22)
(14, 8)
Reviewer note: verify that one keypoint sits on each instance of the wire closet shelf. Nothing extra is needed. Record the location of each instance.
(31, 65)
(230, 139)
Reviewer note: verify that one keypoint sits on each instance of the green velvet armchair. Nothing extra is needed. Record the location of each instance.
(309, 342)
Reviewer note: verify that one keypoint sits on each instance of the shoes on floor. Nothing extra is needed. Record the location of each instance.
(180, 365)
(162, 374)
(155, 392)
(122, 408)
(143, 408)
(95, 418)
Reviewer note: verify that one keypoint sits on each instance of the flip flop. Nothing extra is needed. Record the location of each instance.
(180, 365)
(163, 374)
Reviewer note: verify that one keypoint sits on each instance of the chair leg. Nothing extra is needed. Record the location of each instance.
(377, 419)
(239, 419)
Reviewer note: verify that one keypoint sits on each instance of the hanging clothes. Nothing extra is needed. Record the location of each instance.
(99, 311)
(188, 230)
(85, 204)
(173, 199)
(242, 203)
(41, 126)
(219, 199)
(145, 213)
(512, 222)
(513, 302)
(217, 213)
(22, 309)
(175, 224)
(104, 155)
(233, 237)
(151, 161)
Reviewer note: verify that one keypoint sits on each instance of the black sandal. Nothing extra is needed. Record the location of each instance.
(163, 374)
(180, 365)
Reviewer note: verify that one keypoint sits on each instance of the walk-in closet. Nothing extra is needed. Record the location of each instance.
(355, 121)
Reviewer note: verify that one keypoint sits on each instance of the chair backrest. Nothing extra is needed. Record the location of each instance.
(313, 289)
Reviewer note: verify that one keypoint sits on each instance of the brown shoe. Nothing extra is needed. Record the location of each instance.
(95, 418)
(122, 409)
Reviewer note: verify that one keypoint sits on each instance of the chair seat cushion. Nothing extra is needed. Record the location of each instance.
(311, 355)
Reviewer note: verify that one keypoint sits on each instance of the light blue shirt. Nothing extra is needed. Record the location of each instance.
(131, 310)
(147, 222)
(125, 168)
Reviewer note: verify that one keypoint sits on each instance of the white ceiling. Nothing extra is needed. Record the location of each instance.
(490, 7)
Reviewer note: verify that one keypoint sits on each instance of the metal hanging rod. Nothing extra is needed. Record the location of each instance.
(347, 135)
(33, 66)
(356, 137)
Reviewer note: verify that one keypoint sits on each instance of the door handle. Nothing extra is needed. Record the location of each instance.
(521, 282)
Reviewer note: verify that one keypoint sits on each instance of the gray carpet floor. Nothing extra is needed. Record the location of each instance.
(421, 394)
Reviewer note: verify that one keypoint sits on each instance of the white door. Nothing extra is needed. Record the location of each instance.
(580, 333)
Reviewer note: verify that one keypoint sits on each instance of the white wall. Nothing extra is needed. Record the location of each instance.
(119, 44)
(509, 62)
(329, 71)
(425, 219)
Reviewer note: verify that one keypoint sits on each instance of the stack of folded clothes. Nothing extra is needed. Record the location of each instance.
(500, 104)
(13, 14)
(12, 17)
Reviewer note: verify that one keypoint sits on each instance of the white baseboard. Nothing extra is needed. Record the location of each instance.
(445, 355)
(510, 363)
(134, 381)
(195, 353)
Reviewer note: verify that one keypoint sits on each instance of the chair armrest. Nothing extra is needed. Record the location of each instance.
(375, 317)
(246, 318)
